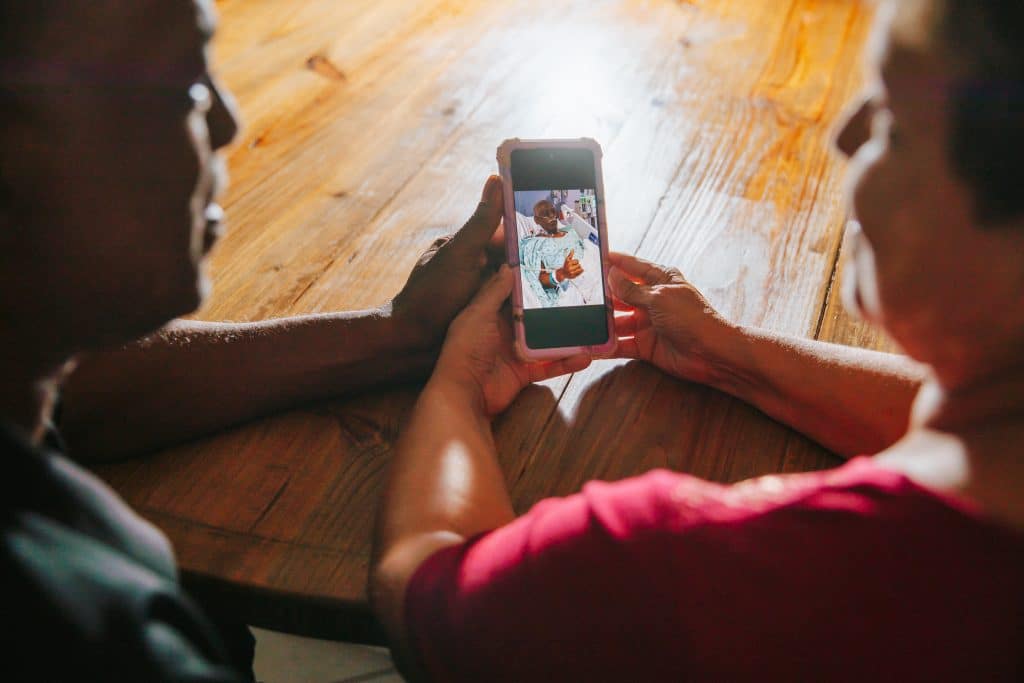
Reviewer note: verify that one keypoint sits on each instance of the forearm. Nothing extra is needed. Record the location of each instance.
(193, 378)
(444, 487)
(444, 477)
(852, 401)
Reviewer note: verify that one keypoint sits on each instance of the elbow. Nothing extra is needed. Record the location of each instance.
(395, 563)
(387, 597)
(390, 575)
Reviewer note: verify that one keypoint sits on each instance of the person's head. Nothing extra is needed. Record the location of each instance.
(546, 216)
(935, 153)
(109, 129)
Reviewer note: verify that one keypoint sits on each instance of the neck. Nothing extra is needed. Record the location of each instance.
(993, 397)
(965, 439)
(29, 390)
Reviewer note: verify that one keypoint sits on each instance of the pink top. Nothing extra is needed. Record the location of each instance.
(851, 574)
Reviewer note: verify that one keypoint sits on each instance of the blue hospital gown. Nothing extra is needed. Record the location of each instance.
(548, 254)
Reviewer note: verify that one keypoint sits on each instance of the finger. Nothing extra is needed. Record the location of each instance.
(626, 325)
(481, 226)
(493, 294)
(627, 290)
(572, 252)
(496, 252)
(647, 271)
(620, 305)
(495, 258)
(627, 348)
(640, 320)
(497, 240)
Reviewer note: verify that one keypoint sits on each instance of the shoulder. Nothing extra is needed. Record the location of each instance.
(844, 561)
(792, 532)
(87, 504)
(53, 486)
(110, 617)
(91, 582)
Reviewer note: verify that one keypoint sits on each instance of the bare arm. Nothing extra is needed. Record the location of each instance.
(852, 401)
(193, 378)
(445, 484)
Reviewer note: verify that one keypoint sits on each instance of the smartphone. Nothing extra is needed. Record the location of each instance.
(557, 241)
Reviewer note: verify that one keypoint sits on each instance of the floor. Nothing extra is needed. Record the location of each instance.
(284, 658)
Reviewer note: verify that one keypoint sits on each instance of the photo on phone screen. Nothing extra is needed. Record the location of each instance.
(559, 248)
(558, 232)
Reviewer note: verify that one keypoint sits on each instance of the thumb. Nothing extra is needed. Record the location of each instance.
(572, 252)
(494, 292)
(627, 290)
(478, 230)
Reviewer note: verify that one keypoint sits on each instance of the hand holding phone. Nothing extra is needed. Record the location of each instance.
(556, 237)
(478, 362)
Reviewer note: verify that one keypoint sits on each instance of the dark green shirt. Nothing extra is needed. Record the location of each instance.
(90, 589)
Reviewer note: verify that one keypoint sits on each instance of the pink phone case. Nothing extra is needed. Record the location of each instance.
(512, 247)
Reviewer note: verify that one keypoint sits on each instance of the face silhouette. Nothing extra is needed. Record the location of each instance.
(919, 261)
(113, 167)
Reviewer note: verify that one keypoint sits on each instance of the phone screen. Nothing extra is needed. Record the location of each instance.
(560, 261)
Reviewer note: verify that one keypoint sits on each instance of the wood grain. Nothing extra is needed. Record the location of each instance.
(370, 128)
(842, 327)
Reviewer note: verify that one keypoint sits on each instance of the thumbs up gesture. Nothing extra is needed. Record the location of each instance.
(571, 269)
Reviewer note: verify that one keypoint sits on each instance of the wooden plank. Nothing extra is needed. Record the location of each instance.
(512, 102)
(752, 217)
(311, 176)
(840, 326)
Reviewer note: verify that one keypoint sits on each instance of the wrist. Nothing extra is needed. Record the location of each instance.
(736, 367)
(400, 333)
(454, 393)
(345, 351)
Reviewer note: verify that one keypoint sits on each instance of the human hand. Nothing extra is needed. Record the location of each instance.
(668, 322)
(571, 269)
(449, 273)
(478, 361)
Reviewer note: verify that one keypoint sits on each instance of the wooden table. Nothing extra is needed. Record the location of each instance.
(370, 128)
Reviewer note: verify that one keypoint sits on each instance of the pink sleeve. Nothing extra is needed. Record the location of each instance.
(560, 594)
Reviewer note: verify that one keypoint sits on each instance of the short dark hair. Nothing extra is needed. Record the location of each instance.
(984, 39)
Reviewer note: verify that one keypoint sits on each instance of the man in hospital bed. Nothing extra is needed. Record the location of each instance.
(560, 260)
